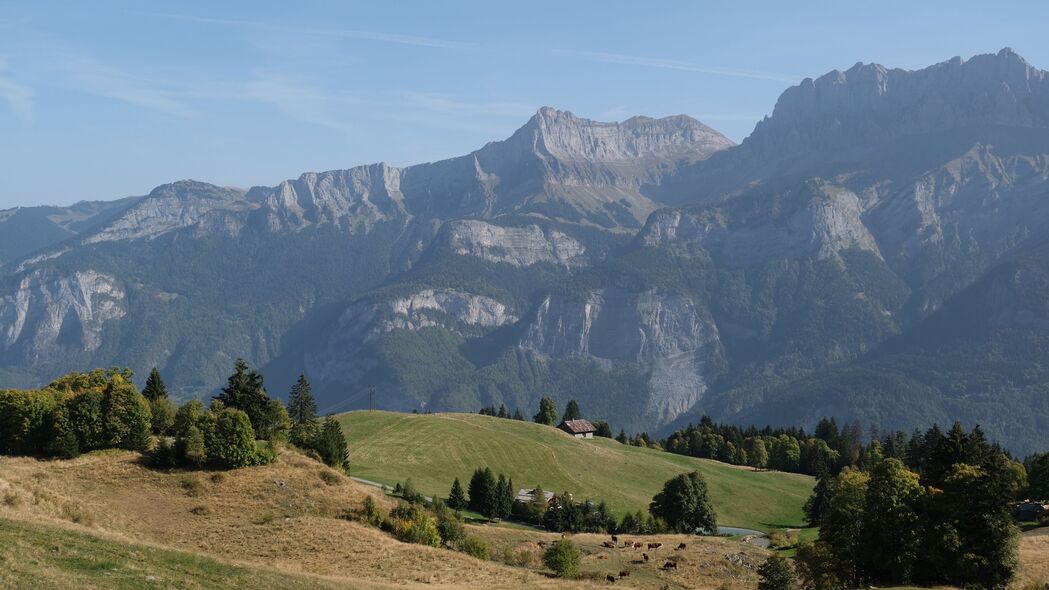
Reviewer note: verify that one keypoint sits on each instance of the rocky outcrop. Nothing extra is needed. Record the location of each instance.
(869, 104)
(176, 206)
(355, 198)
(816, 220)
(666, 334)
(49, 315)
(365, 321)
(518, 246)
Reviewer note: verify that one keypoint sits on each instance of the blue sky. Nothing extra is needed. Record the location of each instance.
(105, 99)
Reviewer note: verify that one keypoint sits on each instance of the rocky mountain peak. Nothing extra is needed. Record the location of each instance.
(562, 135)
(870, 104)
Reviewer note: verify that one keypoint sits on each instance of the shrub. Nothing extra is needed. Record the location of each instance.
(194, 451)
(448, 525)
(192, 485)
(563, 558)
(330, 477)
(370, 512)
(230, 441)
(411, 524)
(190, 414)
(474, 547)
(165, 454)
(162, 412)
(777, 573)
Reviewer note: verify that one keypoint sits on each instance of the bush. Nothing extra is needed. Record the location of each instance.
(370, 512)
(230, 441)
(411, 524)
(448, 525)
(777, 574)
(474, 547)
(563, 558)
(330, 477)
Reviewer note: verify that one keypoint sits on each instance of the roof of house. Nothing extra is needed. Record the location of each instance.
(577, 426)
(527, 495)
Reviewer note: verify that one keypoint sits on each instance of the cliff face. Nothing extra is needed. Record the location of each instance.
(662, 332)
(48, 315)
(517, 246)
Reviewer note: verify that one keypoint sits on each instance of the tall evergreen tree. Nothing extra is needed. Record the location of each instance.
(547, 412)
(518, 416)
(457, 497)
(331, 445)
(572, 411)
(154, 388)
(245, 391)
(302, 409)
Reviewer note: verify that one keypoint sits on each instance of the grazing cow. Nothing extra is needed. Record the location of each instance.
(609, 545)
(615, 539)
(654, 545)
(623, 574)
(645, 555)
(611, 579)
(681, 546)
(670, 565)
(637, 545)
(542, 543)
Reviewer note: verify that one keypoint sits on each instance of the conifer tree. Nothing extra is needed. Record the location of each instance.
(547, 412)
(456, 497)
(154, 388)
(302, 409)
(245, 391)
(330, 444)
(572, 411)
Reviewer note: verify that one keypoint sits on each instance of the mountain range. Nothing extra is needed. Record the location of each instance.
(874, 250)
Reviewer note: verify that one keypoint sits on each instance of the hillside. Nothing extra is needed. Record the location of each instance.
(38, 555)
(433, 449)
(106, 520)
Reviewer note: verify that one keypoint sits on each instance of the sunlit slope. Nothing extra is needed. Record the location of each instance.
(434, 449)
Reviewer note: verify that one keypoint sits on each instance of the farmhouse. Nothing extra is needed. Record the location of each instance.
(578, 428)
(527, 496)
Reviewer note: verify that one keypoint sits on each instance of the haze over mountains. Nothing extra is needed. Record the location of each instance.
(874, 250)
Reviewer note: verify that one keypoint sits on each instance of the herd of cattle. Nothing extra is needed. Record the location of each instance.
(614, 544)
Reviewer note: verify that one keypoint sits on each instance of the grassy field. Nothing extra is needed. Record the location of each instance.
(42, 556)
(433, 449)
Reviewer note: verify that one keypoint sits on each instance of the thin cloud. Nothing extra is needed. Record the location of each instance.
(446, 103)
(94, 77)
(19, 97)
(381, 37)
(670, 64)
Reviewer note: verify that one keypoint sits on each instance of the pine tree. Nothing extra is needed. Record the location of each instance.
(572, 411)
(302, 409)
(155, 388)
(621, 437)
(503, 413)
(517, 415)
(331, 444)
(456, 497)
(501, 491)
(547, 412)
(245, 391)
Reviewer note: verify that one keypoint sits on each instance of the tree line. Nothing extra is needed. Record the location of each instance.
(682, 506)
(933, 511)
(547, 415)
(101, 409)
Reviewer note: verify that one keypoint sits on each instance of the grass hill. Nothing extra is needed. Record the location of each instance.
(48, 556)
(105, 520)
(433, 449)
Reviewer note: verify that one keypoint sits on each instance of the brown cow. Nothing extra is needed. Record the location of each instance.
(637, 545)
(609, 545)
(645, 555)
(670, 565)
(611, 579)
(654, 545)
(681, 546)
(623, 574)
(542, 543)
(615, 539)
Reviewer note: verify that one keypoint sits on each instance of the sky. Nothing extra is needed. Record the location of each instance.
(105, 99)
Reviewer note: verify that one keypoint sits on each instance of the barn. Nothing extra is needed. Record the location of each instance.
(578, 428)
